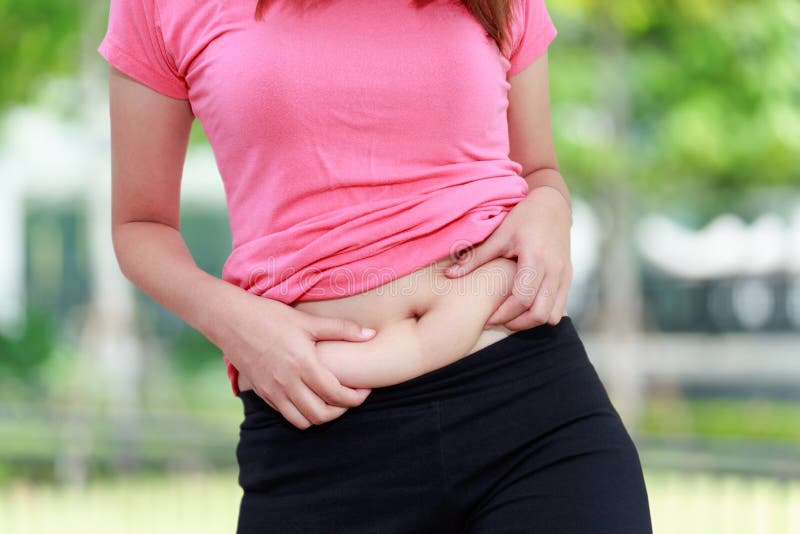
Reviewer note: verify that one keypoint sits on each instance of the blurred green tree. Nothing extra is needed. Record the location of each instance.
(684, 106)
(675, 97)
(24, 354)
(37, 38)
(684, 103)
(679, 99)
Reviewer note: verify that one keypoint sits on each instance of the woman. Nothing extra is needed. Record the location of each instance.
(364, 147)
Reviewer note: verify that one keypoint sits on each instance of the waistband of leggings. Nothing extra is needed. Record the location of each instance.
(535, 353)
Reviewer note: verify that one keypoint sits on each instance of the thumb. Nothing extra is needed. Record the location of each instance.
(474, 257)
(332, 328)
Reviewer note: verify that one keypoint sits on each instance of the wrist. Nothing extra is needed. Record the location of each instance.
(549, 188)
(544, 180)
(553, 196)
(211, 306)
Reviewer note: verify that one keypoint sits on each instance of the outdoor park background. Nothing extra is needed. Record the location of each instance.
(677, 126)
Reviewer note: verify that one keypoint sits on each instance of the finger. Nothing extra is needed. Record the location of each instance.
(555, 316)
(334, 328)
(511, 307)
(268, 401)
(290, 412)
(539, 312)
(523, 292)
(326, 385)
(473, 257)
(311, 406)
(560, 302)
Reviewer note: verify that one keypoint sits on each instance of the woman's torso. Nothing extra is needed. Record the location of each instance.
(423, 320)
(353, 139)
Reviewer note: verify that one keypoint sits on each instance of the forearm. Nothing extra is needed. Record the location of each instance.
(551, 178)
(155, 258)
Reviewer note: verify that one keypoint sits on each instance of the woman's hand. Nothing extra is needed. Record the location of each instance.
(274, 345)
(537, 232)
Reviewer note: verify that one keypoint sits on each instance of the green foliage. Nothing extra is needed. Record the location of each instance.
(758, 419)
(37, 37)
(197, 135)
(681, 98)
(23, 356)
(711, 94)
(191, 353)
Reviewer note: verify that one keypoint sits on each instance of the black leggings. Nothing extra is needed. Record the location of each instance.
(519, 436)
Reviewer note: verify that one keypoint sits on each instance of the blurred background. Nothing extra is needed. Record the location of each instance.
(677, 126)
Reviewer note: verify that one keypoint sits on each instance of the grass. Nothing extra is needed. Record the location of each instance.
(201, 503)
(761, 419)
(208, 503)
(712, 504)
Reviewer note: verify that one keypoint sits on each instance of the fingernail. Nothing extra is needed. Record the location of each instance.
(455, 269)
(367, 332)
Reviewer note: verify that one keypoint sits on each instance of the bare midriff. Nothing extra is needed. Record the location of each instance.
(424, 321)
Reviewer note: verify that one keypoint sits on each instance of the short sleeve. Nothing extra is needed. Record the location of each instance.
(134, 44)
(531, 31)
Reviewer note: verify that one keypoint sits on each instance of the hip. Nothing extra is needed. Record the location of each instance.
(516, 433)
(525, 360)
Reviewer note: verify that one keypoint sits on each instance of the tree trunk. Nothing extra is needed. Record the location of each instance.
(620, 310)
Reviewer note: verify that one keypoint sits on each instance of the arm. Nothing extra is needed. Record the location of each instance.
(149, 138)
(269, 341)
(537, 230)
(530, 129)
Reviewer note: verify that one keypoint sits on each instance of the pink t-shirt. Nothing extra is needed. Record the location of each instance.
(357, 141)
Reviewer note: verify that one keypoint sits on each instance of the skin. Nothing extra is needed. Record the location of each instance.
(537, 230)
(424, 322)
(309, 360)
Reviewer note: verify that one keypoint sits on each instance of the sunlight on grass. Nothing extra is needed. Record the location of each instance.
(208, 503)
(202, 503)
(722, 504)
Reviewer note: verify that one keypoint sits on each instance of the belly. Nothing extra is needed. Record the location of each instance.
(423, 321)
